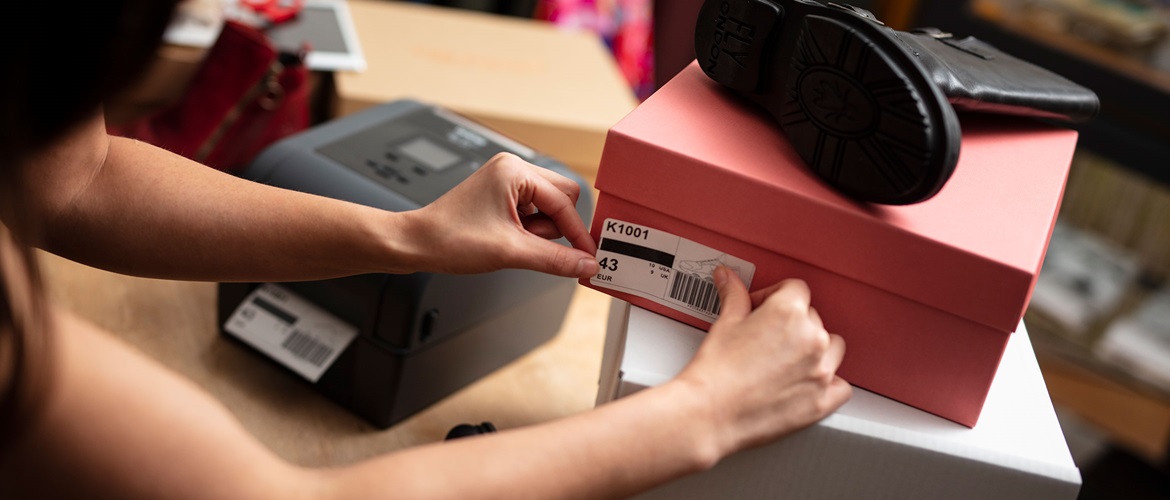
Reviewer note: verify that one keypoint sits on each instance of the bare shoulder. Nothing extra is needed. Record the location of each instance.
(53, 177)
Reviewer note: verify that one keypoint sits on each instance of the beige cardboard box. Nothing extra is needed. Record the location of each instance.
(554, 90)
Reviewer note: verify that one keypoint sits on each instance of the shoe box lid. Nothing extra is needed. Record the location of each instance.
(700, 154)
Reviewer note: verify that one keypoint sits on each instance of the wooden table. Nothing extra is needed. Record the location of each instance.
(175, 322)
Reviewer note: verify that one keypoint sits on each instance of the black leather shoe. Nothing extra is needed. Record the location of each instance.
(975, 76)
(467, 430)
(867, 107)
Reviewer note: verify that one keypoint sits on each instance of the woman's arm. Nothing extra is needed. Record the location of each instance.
(129, 207)
(759, 376)
(117, 424)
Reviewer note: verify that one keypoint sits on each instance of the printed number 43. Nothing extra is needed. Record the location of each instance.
(609, 263)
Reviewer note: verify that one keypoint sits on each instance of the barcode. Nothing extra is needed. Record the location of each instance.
(307, 348)
(695, 292)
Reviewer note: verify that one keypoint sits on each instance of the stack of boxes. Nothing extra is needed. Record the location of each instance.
(927, 296)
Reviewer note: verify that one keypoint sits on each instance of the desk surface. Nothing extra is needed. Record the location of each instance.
(175, 322)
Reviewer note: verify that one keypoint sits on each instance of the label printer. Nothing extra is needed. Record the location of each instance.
(387, 346)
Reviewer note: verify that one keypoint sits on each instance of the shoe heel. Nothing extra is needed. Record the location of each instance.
(845, 89)
(732, 41)
(857, 119)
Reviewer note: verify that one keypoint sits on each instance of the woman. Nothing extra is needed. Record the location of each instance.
(81, 414)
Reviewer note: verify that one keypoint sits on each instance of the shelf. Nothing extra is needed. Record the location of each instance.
(1114, 61)
(1131, 128)
(1132, 418)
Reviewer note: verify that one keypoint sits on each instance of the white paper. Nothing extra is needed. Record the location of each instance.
(290, 330)
(656, 265)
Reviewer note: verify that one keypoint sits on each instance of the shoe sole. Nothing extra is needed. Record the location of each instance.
(847, 93)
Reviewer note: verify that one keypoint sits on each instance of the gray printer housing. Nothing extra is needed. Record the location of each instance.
(422, 336)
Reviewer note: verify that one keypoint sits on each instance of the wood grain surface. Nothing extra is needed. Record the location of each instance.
(174, 322)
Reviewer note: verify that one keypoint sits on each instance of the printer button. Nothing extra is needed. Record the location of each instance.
(427, 325)
(386, 171)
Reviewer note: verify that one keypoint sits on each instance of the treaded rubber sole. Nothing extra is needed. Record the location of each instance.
(844, 90)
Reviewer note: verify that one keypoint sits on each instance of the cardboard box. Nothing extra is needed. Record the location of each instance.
(872, 447)
(554, 90)
(925, 295)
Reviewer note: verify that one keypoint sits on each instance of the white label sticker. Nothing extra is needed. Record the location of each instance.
(291, 330)
(665, 268)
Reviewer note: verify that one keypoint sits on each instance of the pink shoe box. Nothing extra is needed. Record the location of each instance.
(926, 296)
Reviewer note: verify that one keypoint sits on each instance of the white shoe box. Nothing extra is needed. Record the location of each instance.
(872, 447)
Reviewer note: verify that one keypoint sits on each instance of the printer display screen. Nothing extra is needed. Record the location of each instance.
(420, 154)
(428, 153)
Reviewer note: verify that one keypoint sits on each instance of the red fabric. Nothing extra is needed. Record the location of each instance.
(626, 27)
(233, 77)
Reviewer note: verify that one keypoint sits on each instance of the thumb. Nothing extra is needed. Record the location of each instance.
(737, 304)
(539, 254)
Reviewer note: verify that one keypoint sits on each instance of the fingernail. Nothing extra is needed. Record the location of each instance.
(587, 267)
(720, 276)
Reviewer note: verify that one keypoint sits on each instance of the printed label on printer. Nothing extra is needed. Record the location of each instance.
(659, 266)
(291, 330)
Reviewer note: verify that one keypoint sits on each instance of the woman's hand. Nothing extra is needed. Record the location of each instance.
(769, 372)
(503, 216)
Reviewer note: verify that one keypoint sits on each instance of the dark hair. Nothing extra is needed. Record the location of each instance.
(62, 60)
(24, 341)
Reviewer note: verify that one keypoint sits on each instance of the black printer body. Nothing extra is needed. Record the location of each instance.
(386, 346)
